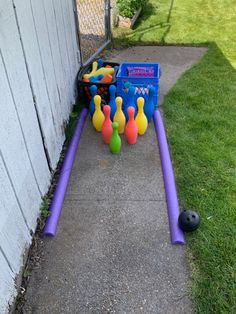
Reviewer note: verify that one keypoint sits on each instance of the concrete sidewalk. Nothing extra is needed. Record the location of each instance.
(112, 252)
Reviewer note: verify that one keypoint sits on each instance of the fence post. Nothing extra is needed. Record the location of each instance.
(108, 19)
(79, 52)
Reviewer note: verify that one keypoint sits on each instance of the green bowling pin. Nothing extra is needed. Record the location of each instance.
(115, 141)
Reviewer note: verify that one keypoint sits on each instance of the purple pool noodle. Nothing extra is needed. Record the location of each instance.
(58, 198)
(177, 235)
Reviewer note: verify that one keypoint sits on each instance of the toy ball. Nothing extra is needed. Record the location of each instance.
(189, 220)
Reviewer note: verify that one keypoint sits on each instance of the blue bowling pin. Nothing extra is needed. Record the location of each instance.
(149, 105)
(112, 102)
(93, 91)
(130, 102)
(100, 63)
(96, 79)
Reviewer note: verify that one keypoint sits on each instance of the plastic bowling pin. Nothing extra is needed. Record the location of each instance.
(115, 141)
(112, 102)
(119, 116)
(149, 106)
(85, 80)
(96, 79)
(98, 117)
(130, 101)
(107, 125)
(141, 119)
(100, 63)
(94, 69)
(93, 91)
(131, 129)
(107, 79)
(104, 71)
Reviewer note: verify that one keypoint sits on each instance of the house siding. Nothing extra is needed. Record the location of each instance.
(38, 67)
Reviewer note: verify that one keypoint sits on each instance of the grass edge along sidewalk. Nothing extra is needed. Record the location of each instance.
(200, 115)
(201, 130)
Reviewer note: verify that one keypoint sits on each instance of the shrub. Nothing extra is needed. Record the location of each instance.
(127, 8)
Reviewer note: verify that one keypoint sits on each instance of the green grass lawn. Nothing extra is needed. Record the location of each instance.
(200, 116)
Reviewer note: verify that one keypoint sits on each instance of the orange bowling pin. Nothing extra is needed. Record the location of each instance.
(131, 129)
(106, 79)
(107, 125)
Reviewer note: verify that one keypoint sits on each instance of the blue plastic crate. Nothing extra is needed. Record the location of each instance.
(141, 83)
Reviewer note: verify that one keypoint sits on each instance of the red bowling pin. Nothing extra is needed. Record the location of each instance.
(131, 129)
(107, 125)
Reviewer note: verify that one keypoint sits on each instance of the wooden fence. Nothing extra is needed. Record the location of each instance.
(39, 60)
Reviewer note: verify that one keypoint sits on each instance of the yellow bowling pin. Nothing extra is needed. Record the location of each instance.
(98, 116)
(104, 71)
(119, 115)
(94, 69)
(141, 119)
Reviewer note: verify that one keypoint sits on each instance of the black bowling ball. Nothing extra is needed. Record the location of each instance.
(189, 220)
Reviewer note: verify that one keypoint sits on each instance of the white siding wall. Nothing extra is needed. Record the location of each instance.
(38, 66)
